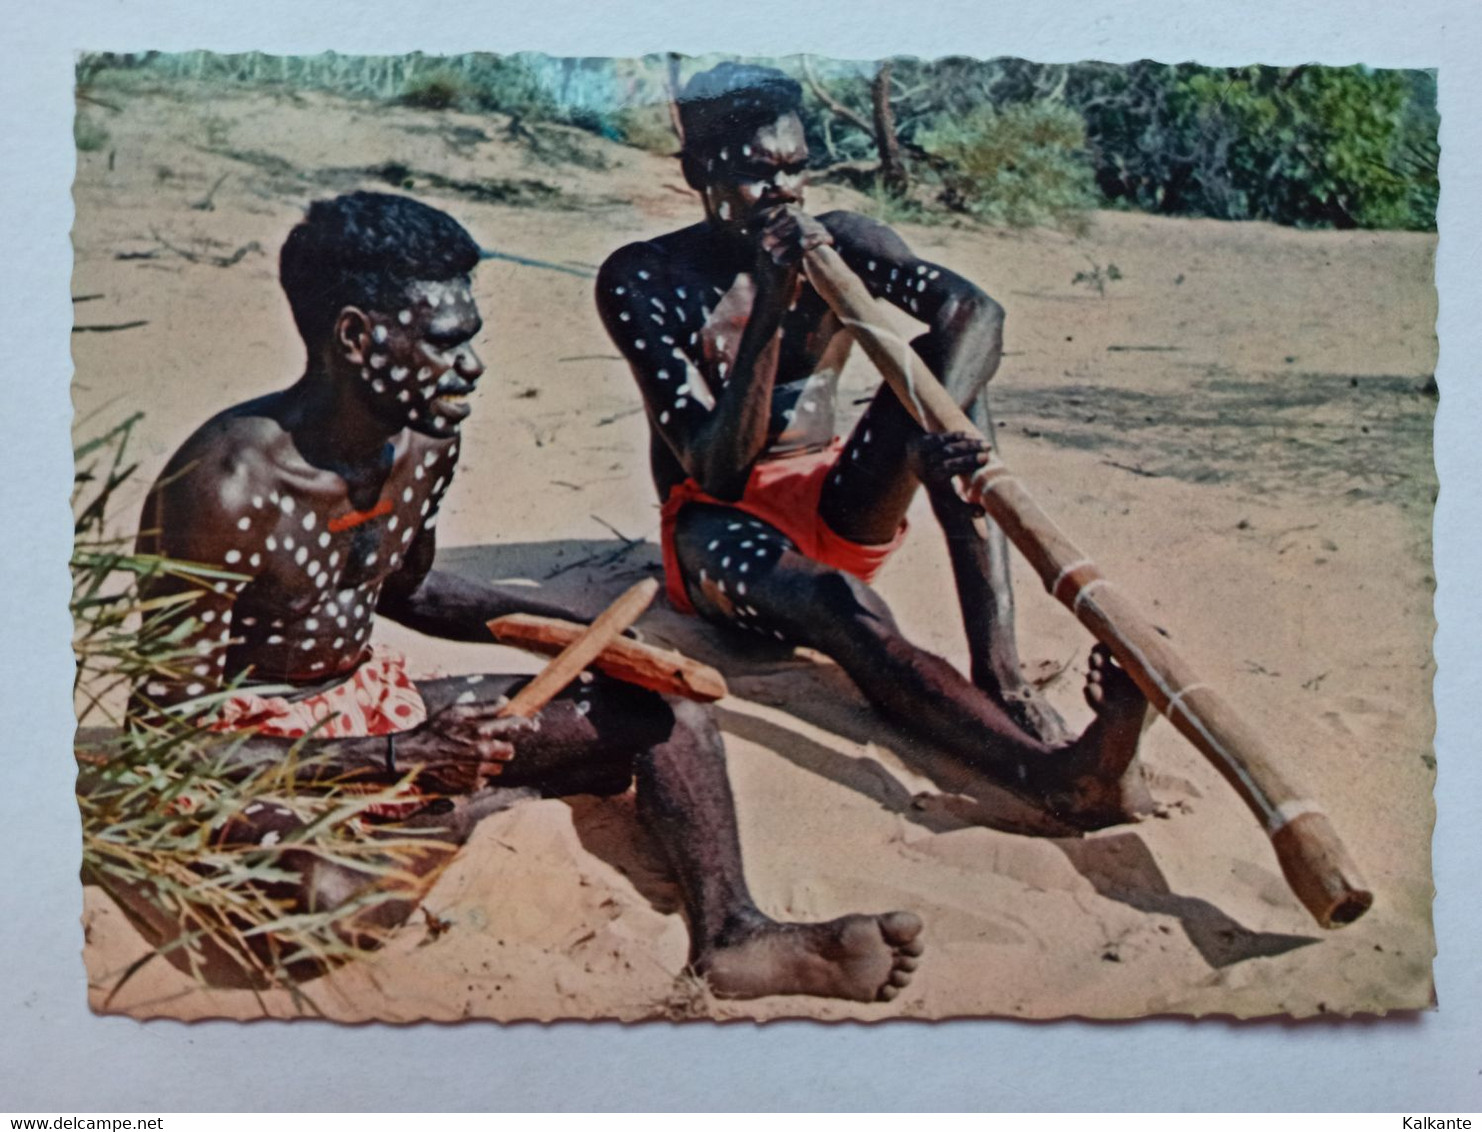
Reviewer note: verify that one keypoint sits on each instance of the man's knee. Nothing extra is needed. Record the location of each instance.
(840, 602)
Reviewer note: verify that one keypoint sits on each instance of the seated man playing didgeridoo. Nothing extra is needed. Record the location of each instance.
(323, 498)
(774, 525)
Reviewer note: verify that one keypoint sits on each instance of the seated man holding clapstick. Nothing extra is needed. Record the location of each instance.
(323, 498)
(772, 524)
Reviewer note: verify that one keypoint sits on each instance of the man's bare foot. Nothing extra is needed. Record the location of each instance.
(864, 958)
(1102, 783)
(1032, 712)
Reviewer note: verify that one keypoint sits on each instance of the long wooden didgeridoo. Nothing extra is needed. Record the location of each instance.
(1316, 865)
(582, 651)
(659, 670)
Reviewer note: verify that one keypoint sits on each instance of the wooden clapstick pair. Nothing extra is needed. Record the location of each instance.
(601, 645)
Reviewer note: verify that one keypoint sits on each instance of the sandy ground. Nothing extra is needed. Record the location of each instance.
(1234, 428)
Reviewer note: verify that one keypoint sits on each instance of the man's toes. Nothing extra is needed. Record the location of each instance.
(899, 978)
(901, 930)
(904, 962)
(887, 992)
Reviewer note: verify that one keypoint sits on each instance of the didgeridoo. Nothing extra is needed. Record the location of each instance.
(582, 651)
(1316, 865)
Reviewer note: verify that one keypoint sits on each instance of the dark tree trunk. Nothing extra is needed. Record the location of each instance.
(892, 169)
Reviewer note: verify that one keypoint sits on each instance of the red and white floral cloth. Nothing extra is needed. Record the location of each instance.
(378, 698)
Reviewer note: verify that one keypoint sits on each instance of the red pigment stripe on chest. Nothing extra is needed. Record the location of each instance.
(356, 518)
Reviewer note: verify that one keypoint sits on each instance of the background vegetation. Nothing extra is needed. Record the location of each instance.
(1003, 140)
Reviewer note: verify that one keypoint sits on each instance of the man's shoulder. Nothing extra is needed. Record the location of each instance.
(658, 256)
(841, 222)
(228, 455)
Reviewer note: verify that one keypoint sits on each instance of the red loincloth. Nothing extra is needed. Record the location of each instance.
(785, 493)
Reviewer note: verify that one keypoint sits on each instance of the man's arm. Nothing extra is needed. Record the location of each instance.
(446, 605)
(657, 325)
(964, 338)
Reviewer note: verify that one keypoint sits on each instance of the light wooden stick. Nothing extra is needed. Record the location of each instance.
(659, 670)
(582, 651)
(1316, 865)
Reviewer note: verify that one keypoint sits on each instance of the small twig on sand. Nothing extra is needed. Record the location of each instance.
(619, 416)
(591, 358)
(207, 203)
(104, 328)
(86, 298)
(614, 530)
(1135, 471)
(600, 558)
(526, 261)
(215, 260)
(1143, 349)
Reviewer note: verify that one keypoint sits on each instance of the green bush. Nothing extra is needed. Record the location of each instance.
(88, 135)
(1022, 165)
(647, 127)
(439, 90)
(1317, 146)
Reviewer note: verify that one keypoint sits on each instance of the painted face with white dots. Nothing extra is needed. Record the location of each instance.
(417, 362)
(750, 176)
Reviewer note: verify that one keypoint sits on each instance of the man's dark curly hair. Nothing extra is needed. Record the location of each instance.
(363, 250)
(730, 101)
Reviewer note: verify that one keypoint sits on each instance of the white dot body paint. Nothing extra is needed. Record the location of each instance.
(640, 344)
(274, 639)
(377, 361)
(324, 538)
(398, 373)
(404, 317)
(243, 523)
(620, 290)
(642, 274)
(233, 556)
(208, 617)
(871, 265)
(623, 316)
(664, 417)
(379, 334)
(439, 422)
(308, 644)
(257, 501)
(406, 496)
(662, 375)
(391, 523)
(288, 542)
(301, 555)
(723, 210)
(309, 520)
(413, 414)
(255, 560)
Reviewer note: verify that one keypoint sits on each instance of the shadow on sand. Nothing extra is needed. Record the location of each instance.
(587, 574)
